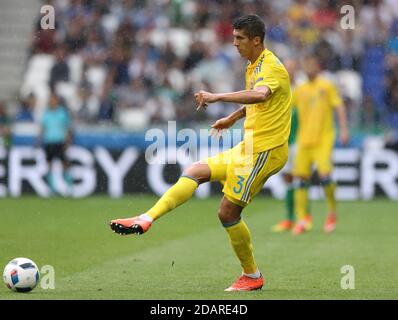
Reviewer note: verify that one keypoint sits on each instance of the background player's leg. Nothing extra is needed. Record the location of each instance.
(50, 177)
(183, 190)
(289, 202)
(324, 164)
(288, 223)
(329, 187)
(302, 173)
(239, 236)
(301, 197)
(304, 222)
(67, 177)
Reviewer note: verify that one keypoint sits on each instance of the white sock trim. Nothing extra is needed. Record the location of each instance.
(254, 275)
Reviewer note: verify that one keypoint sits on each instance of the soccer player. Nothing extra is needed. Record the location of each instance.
(316, 100)
(56, 136)
(244, 168)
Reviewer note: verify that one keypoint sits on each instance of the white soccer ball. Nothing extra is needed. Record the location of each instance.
(21, 275)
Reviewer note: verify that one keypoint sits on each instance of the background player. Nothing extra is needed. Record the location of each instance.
(267, 109)
(286, 224)
(316, 100)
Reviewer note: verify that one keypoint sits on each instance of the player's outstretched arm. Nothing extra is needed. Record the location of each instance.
(257, 95)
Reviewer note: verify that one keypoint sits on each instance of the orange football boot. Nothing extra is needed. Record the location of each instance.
(282, 226)
(245, 283)
(302, 225)
(330, 223)
(134, 225)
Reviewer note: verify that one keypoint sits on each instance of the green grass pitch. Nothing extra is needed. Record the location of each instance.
(186, 254)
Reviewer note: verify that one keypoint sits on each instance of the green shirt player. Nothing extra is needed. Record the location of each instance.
(288, 223)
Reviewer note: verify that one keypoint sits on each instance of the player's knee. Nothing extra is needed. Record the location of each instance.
(228, 213)
(198, 171)
(288, 177)
(301, 182)
(325, 180)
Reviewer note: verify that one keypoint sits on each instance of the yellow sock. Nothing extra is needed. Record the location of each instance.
(239, 236)
(175, 196)
(301, 202)
(330, 199)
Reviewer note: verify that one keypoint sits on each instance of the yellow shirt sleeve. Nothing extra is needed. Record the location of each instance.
(335, 99)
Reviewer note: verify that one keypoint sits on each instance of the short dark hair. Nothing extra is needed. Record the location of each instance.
(312, 55)
(252, 25)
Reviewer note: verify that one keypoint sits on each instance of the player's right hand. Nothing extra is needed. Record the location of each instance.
(203, 98)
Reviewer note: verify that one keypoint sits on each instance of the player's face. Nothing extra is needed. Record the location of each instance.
(242, 42)
(53, 102)
(311, 67)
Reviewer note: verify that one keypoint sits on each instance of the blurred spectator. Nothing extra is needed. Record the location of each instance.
(26, 109)
(107, 106)
(88, 105)
(325, 16)
(302, 32)
(60, 69)
(132, 96)
(160, 108)
(223, 27)
(95, 51)
(392, 44)
(118, 71)
(167, 54)
(202, 15)
(75, 39)
(375, 19)
(5, 123)
(196, 54)
(349, 51)
(327, 56)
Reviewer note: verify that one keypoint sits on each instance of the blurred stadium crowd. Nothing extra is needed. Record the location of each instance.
(136, 63)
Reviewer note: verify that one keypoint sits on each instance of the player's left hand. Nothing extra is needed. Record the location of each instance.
(203, 98)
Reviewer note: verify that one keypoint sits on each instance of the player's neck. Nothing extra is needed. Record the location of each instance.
(256, 54)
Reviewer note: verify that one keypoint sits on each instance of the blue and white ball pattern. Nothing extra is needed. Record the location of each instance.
(21, 275)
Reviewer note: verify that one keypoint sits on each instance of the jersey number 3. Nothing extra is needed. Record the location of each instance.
(240, 185)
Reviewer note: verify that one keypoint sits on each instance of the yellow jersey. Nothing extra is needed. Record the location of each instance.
(315, 102)
(267, 124)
